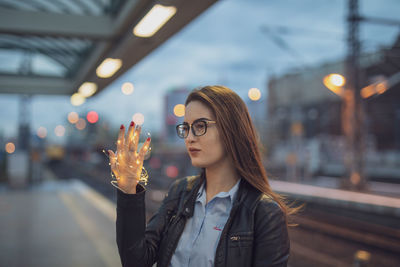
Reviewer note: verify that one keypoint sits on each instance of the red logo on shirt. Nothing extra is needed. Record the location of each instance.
(216, 228)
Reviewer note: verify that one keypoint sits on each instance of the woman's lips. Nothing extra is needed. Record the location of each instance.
(193, 151)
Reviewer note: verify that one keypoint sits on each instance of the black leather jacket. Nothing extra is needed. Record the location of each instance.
(255, 233)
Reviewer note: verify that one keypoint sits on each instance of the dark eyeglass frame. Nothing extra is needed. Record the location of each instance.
(206, 121)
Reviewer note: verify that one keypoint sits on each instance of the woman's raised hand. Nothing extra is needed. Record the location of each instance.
(126, 163)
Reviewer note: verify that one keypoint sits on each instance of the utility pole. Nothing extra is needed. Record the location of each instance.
(352, 109)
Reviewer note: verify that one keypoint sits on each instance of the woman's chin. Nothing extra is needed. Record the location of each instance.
(196, 163)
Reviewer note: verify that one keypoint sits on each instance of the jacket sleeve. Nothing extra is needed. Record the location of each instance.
(138, 244)
(272, 245)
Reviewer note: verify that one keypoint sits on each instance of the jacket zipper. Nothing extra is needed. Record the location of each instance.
(223, 234)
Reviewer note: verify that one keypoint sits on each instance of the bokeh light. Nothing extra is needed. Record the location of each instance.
(138, 118)
(59, 130)
(41, 132)
(337, 79)
(335, 83)
(73, 117)
(155, 163)
(108, 67)
(87, 89)
(254, 94)
(77, 99)
(127, 88)
(92, 117)
(10, 147)
(172, 171)
(81, 124)
(179, 110)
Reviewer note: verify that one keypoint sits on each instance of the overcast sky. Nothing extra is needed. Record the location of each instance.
(225, 45)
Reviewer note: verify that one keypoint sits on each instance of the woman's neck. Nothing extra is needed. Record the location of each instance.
(220, 178)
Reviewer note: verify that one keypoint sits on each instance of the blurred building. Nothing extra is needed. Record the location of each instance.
(304, 117)
(172, 98)
(383, 108)
(257, 110)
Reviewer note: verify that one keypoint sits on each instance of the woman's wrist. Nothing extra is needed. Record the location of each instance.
(128, 188)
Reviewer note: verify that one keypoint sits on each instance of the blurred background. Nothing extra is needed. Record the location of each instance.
(321, 80)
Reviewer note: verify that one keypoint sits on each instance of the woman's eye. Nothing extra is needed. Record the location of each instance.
(199, 126)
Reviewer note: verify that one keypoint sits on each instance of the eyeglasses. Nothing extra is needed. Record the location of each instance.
(199, 128)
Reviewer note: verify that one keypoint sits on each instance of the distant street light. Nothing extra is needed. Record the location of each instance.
(179, 110)
(254, 94)
(335, 83)
(127, 88)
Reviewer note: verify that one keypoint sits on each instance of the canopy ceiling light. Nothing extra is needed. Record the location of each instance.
(108, 67)
(154, 20)
(87, 89)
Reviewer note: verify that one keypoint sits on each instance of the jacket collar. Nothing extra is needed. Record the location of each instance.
(246, 195)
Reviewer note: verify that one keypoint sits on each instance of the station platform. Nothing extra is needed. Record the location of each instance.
(67, 223)
(369, 202)
(57, 223)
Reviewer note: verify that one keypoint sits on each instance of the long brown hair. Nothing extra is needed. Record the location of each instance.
(239, 136)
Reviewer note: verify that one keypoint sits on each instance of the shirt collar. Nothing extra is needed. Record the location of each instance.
(201, 196)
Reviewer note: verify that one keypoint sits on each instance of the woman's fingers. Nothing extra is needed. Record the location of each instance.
(129, 142)
(136, 136)
(113, 162)
(121, 142)
(144, 149)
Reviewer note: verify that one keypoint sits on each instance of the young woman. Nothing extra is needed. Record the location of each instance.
(225, 216)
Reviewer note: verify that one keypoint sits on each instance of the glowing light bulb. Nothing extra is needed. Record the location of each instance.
(179, 110)
(127, 88)
(254, 94)
(73, 117)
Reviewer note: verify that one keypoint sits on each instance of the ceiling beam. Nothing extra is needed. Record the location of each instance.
(58, 25)
(16, 84)
(131, 49)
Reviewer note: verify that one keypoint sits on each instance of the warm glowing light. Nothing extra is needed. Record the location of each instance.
(337, 79)
(138, 118)
(355, 178)
(59, 130)
(81, 124)
(127, 88)
(375, 88)
(87, 89)
(335, 83)
(154, 20)
(41, 132)
(155, 163)
(108, 67)
(254, 94)
(73, 117)
(10, 147)
(77, 99)
(368, 91)
(363, 255)
(92, 117)
(297, 128)
(381, 87)
(179, 110)
(172, 171)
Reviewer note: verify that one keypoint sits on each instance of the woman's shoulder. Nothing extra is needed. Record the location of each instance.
(184, 184)
(267, 205)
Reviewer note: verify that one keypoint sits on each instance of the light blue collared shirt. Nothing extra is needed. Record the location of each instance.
(200, 237)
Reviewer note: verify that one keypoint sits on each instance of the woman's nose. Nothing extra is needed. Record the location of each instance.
(190, 137)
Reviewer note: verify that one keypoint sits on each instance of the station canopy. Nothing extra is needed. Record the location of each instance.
(56, 46)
